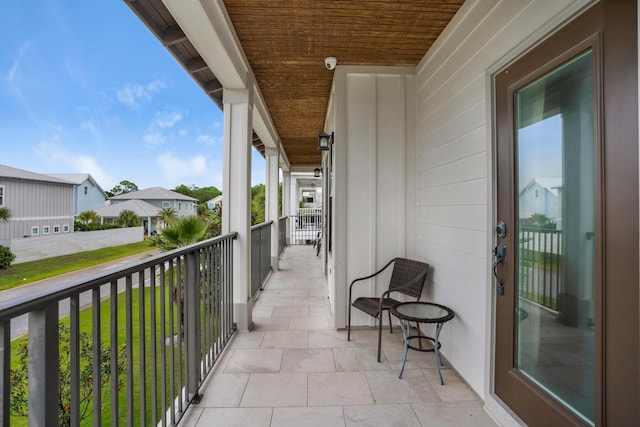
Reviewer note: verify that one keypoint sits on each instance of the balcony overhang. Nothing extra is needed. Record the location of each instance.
(283, 45)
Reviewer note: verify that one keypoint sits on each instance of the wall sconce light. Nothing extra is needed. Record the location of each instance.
(316, 173)
(324, 141)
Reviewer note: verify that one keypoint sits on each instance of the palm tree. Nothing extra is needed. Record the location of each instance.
(167, 216)
(5, 214)
(87, 217)
(182, 232)
(128, 218)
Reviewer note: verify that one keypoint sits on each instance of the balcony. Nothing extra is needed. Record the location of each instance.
(293, 368)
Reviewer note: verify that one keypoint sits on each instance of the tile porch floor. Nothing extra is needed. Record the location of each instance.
(293, 370)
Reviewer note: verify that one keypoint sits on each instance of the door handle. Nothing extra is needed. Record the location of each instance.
(500, 254)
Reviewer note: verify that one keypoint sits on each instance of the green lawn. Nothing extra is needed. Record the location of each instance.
(21, 274)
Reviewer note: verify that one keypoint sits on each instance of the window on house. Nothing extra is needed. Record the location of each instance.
(1, 195)
(56, 229)
(65, 228)
(35, 231)
(179, 206)
(86, 190)
(46, 229)
(536, 194)
(166, 204)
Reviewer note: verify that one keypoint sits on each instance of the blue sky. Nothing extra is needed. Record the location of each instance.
(85, 87)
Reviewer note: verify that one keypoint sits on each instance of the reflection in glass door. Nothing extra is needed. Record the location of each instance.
(555, 298)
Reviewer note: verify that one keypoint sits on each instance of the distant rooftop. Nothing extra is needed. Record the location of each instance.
(15, 173)
(153, 193)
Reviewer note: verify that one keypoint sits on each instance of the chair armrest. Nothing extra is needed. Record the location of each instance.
(368, 277)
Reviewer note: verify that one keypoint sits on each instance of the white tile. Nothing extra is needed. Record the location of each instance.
(223, 390)
(453, 389)
(382, 416)
(250, 361)
(245, 340)
(270, 323)
(308, 360)
(271, 390)
(339, 388)
(359, 359)
(235, 417)
(413, 387)
(321, 416)
(459, 414)
(290, 311)
(309, 323)
(285, 339)
(329, 339)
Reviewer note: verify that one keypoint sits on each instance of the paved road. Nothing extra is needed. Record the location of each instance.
(19, 325)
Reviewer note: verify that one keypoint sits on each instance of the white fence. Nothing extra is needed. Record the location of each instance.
(42, 247)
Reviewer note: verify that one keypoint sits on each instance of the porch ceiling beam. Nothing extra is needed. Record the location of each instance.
(196, 64)
(208, 28)
(173, 35)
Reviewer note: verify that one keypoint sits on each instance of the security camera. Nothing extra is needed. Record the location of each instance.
(330, 62)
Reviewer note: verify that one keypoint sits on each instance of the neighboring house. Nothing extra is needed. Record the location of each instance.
(213, 202)
(540, 196)
(40, 204)
(87, 195)
(147, 204)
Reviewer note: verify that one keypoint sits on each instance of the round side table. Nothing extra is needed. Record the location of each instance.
(422, 312)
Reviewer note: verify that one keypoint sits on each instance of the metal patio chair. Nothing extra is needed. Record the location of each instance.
(408, 278)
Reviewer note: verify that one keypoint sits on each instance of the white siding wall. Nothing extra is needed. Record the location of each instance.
(454, 166)
(370, 143)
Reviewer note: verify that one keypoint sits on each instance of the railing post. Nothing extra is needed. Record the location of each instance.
(5, 367)
(44, 360)
(192, 323)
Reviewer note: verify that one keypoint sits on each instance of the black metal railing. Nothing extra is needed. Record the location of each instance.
(260, 255)
(282, 234)
(540, 265)
(305, 226)
(134, 349)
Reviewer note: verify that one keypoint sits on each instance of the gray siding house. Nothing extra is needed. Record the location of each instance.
(87, 195)
(147, 204)
(40, 205)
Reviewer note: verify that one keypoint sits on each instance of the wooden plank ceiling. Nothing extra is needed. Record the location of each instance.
(286, 42)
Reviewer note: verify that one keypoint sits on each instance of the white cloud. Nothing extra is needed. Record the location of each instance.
(59, 159)
(14, 72)
(154, 138)
(177, 170)
(162, 120)
(207, 139)
(132, 95)
(166, 119)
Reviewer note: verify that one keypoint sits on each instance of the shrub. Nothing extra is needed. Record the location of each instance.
(6, 257)
(20, 378)
(79, 226)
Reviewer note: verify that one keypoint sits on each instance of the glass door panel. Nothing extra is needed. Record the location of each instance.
(555, 299)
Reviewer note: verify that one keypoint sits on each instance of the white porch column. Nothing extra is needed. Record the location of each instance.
(271, 202)
(286, 202)
(236, 193)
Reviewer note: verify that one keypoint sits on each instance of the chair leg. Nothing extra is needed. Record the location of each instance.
(379, 336)
(390, 324)
(349, 325)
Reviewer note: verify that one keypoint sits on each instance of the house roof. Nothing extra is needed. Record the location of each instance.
(551, 184)
(15, 173)
(284, 44)
(215, 200)
(76, 178)
(153, 193)
(140, 207)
